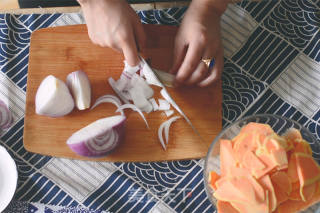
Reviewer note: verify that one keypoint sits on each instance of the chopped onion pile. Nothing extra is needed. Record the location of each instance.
(133, 85)
(79, 85)
(6, 118)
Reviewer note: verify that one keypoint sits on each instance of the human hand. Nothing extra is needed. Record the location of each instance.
(113, 23)
(199, 38)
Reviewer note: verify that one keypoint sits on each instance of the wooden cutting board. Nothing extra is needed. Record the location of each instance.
(61, 50)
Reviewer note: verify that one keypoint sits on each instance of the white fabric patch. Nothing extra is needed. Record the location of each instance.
(78, 178)
(236, 27)
(298, 85)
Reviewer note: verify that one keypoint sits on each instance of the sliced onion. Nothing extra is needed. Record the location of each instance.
(108, 99)
(155, 106)
(140, 100)
(163, 104)
(167, 127)
(166, 78)
(118, 92)
(146, 90)
(166, 96)
(169, 112)
(149, 75)
(5, 116)
(135, 108)
(160, 131)
(98, 138)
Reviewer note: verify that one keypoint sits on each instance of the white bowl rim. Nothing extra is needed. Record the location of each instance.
(11, 186)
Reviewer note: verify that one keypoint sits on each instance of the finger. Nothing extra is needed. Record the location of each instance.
(180, 50)
(199, 74)
(190, 62)
(202, 70)
(216, 71)
(129, 49)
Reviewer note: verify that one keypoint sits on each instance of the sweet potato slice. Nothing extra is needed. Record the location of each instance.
(307, 168)
(266, 183)
(225, 207)
(227, 160)
(213, 177)
(282, 180)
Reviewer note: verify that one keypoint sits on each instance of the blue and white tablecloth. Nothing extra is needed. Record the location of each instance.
(272, 65)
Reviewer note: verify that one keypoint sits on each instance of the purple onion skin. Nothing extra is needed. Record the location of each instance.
(10, 121)
(82, 149)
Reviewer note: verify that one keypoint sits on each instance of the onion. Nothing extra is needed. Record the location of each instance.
(140, 100)
(149, 75)
(154, 104)
(53, 98)
(118, 92)
(98, 138)
(166, 78)
(79, 85)
(169, 112)
(166, 96)
(163, 104)
(166, 126)
(5, 116)
(108, 99)
(137, 81)
(135, 108)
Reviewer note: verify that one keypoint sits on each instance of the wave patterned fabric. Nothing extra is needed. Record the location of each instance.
(272, 65)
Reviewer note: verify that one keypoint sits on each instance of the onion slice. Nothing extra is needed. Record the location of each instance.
(118, 92)
(169, 112)
(108, 99)
(155, 106)
(166, 96)
(163, 104)
(5, 116)
(166, 78)
(166, 126)
(135, 108)
(160, 131)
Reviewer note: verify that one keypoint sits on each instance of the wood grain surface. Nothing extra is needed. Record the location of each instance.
(61, 50)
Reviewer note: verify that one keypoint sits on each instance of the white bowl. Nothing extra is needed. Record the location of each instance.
(8, 178)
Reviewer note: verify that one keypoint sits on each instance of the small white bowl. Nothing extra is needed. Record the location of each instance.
(8, 178)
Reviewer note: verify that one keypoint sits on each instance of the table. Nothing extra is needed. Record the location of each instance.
(272, 65)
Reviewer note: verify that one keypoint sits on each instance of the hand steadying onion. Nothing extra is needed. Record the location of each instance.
(53, 98)
(98, 138)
